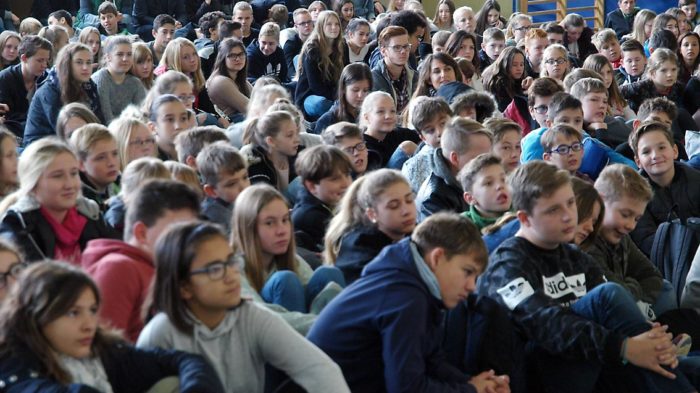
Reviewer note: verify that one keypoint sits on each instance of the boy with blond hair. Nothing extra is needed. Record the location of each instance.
(266, 57)
(98, 154)
(485, 190)
(583, 331)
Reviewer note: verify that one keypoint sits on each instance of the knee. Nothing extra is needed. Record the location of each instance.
(613, 292)
(408, 147)
(284, 278)
(331, 273)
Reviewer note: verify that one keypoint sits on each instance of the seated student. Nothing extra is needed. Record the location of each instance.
(429, 117)
(608, 45)
(295, 38)
(13, 264)
(243, 14)
(143, 64)
(19, 82)
(64, 19)
(51, 337)
(348, 138)
(206, 44)
(134, 139)
(475, 105)
(391, 143)
(594, 99)
(357, 34)
(227, 86)
(577, 38)
(633, 65)
(30, 26)
(557, 63)
(663, 110)
(377, 210)
(392, 74)
(48, 218)
(98, 156)
(365, 328)
(661, 81)
(621, 19)
(262, 230)
(115, 87)
(325, 175)
(224, 176)
(274, 146)
(493, 44)
(483, 180)
(674, 184)
(163, 31)
(134, 174)
(190, 143)
(531, 113)
(354, 85)
(71, 117)
(505, 78)
(197, 292)
(439, 72)
(617, 105)
(626, 195)
(69, 81)
(462, 140)
(578, 324)
(265, 56)
(690, 8)
(535, 43)
(566, 109)
(110, 20)
(168, 117)
(506, 141)
(688, 56)
(146, 12)
(124, 270)
(563, 147)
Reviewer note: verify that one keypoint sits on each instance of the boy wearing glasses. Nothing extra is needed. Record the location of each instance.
(295, 38)
(123, 270)
(563, 147)
(392, 74)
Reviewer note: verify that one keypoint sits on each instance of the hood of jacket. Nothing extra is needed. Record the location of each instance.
(99, 249)
(442, 169)
(86, 207)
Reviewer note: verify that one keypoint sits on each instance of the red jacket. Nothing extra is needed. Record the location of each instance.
(124, 274)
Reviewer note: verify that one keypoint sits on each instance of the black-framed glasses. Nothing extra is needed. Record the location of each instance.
(362, 146)
(308, 22)
(523, 28)
(189, 98)
(236, 56)
(217, 270)
(400, 48)
(541, 110)
(142, 142)
(14, 271)
(565, 149)
(555, 61)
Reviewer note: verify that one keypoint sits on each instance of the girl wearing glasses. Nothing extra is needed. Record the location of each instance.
(556, 62)
(228, 88)
(197, 292)
(69, 81)
(377, 210)
(134, 139)
(11, 265)
(354, 85)
(518, 26)
(47, 217)
(50, 340)
(321, 66)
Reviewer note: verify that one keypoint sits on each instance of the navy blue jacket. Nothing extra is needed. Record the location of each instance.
(292, 47)
(145, 11)
(128, 370)
(44, 108)
(14, 94)
(358, 247)
(310, 217)
(383, 330)
(259, 65)
(617, 21)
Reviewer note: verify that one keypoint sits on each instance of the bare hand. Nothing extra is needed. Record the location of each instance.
(646, 349)
(527, 82)
(489, 382)
(4, 108)
(178, 24)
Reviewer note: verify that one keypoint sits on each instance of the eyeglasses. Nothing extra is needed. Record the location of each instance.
(541, 110)
(555, 61)
(565, 149)
(142, 142)
(400, 48)
(217, 270)
(523, 28)
(307, 23)
(186, 98)
(14, 271)
(236, 56)
(362, 146)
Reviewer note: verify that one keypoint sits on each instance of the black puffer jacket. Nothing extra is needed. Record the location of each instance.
(441, 192)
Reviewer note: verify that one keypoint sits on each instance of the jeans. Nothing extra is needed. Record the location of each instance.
(315, 106)
(397, 159)
(613, 307)
(285, 289)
